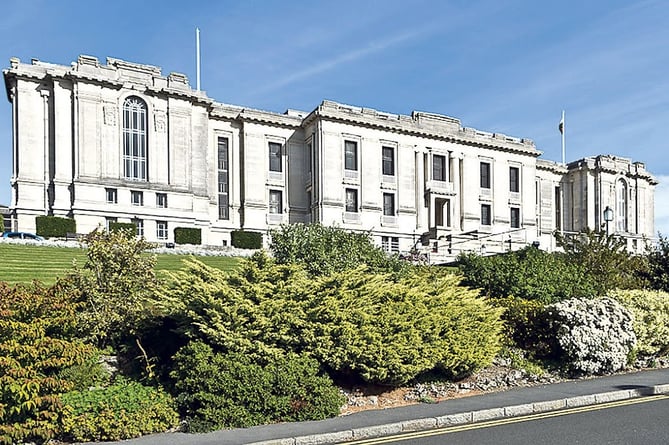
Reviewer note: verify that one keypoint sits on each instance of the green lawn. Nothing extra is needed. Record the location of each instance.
(24, 263)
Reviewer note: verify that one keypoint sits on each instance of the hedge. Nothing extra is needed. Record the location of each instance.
(246, 240)
(187, 235)
(55, 226)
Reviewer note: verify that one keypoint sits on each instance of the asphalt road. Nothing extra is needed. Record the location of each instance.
(629, 422)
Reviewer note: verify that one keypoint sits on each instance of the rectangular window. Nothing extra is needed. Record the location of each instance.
(514, 179)
(439, 168)
(161, 200)
(390, 244)
(223, 179)
(351, 155)
(558, 209)
(485, 175)
(388, 204)
(351, 200)
(275, 202)
(161, 230)
(486, 217)
(112, 196)
(136, 198)
(139, 225)
(515, 217)
(108, 221)
(275, 157)
(388, 156)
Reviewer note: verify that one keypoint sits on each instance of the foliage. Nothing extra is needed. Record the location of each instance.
(121, 411)
(2, 223)
(243, 239)
(115, 283)
(323, 250)
(658, 265)
(591, 336)
(651, 319)
(520, 317)
(128, 227)
(530, 274)
(54, 226)
(187, 235)
(604, 258)
(380, 328)
(218, 390)
(36, 327)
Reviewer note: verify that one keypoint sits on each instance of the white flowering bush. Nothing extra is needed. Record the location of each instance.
(593, 336)
(651, 319)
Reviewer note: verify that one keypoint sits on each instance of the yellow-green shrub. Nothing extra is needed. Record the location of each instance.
(651, 319)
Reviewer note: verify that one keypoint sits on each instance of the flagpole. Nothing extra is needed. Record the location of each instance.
(197, 56)
(564, 152)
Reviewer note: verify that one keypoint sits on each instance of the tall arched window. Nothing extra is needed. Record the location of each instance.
(134, 139)
(621, 204)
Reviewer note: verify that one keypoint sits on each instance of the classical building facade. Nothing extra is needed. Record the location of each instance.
(121, 142)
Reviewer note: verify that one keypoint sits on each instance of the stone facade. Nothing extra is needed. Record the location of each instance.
(121, 142)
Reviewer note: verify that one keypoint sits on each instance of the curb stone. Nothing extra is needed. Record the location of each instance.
(466, 417)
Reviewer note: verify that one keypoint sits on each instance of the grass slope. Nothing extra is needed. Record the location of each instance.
(25, 263)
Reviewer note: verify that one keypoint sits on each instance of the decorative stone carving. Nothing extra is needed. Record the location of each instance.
(109, 114)
(160, 121)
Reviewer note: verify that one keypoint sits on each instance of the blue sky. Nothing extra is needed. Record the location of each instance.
(508, 67)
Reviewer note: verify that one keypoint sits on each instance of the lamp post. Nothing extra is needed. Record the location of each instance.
(608, 217)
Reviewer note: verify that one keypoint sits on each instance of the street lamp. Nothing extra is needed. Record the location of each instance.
(608, 217)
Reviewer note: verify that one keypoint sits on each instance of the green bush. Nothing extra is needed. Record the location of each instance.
(323, 250)
(122, 411)
(187, 235)
(520, 317)
(246, 240)
(2, 223)
(36, 349)
(651, 319)
(530, 274)
(55, 226)
(591, 336)
(128, 228)
(372, 326)
(658, 265)
(216, 390)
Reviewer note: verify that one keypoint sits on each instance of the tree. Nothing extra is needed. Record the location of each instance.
(115, 284)
(323, 250)
(658, 264)
(605, 258)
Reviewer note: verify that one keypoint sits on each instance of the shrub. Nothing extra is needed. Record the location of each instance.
(36, 326)
(187, 235)
(217, 390)
(121, 411)
(246, 240)
(520, 317)
(373, 326)
(591, 336)
(530, 274)
(651, 319)
(658, 265)
(54, 226)
(323, 250)
(115, 286)
(2, 223)
(130, 229)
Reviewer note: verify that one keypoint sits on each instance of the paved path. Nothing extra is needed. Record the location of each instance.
(374, 423)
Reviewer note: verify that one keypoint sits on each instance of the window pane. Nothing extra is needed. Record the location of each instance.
(274, 157)
(485, 215)
(485, 175)
(351, 200)
(439, 168)
(389, 204)
(514, 179)
(350, 155)
(388, 161)
(515, 217)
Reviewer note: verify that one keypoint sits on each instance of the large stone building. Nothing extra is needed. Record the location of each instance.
(121, 142)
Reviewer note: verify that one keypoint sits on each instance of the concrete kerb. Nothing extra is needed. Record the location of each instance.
(466, 417)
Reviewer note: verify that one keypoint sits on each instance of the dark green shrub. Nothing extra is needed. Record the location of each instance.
(520, 318)
(129, 228)
(246, 240)
(2, 223)
(121, 411)
(187, 235)
(530, 273)
(217, 390)
(323, 250)
(658, 265)
(54, 226)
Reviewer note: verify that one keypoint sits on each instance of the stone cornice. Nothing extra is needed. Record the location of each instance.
(429, 125)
